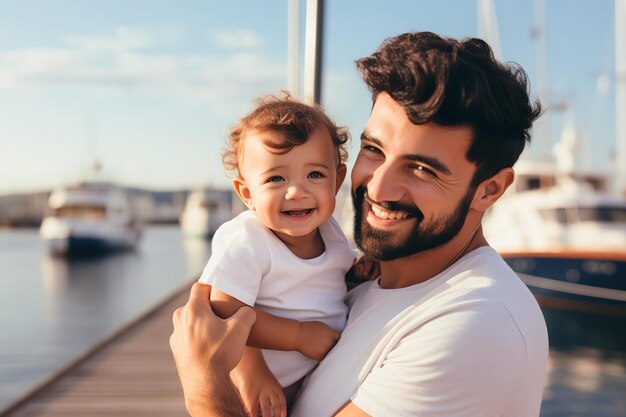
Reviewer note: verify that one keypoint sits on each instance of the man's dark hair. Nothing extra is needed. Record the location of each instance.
(457, 83)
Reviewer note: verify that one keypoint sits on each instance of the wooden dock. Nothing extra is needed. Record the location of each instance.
(132, 374)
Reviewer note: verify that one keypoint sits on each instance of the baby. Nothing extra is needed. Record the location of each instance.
(285, 256)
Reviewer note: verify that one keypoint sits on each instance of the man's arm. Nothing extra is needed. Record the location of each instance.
(206, 348)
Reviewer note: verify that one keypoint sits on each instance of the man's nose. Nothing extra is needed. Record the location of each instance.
(384, 185)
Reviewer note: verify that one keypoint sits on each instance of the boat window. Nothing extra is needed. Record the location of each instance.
(210, 205)
(585, 214)
(534, 183)
(602, 214)
(558, 215)
(83, 212)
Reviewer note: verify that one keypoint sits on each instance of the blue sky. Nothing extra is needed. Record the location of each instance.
(152, 87)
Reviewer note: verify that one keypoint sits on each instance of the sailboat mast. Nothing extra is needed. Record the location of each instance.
(488, 26)
(620, 94)
(542, 127)
(313, 51)
(293, 48)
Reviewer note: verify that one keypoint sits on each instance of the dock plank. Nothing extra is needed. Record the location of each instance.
(132, 375)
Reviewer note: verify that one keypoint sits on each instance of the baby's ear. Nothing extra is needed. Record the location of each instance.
(341, 175)
(242, 190)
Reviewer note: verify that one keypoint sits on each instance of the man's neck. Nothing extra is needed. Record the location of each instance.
(422, 266)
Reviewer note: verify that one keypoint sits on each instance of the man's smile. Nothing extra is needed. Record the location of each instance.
(388, 211)
(391, 215)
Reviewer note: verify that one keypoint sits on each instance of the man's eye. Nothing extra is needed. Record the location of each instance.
(316, 175)
(370, 148)
(275, 178)
(422, 170)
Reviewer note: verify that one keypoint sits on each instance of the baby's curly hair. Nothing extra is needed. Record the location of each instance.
(294, 120)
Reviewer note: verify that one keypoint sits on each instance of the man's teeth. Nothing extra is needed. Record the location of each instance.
(390, 215)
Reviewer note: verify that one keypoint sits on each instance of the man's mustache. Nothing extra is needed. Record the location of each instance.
(360, 194)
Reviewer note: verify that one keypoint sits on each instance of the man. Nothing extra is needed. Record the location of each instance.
(447, 329)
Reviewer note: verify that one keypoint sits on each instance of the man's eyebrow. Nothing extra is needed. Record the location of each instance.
(368, 137)
(433, 162)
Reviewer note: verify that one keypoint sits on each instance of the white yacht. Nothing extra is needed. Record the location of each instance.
(90, 218)
(205, 210)
(565, 235)
(562, 230)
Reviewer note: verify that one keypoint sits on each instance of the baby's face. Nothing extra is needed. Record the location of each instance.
(292, 193)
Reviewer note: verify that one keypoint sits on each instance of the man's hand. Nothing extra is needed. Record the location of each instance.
(316, 339)
(206, 348)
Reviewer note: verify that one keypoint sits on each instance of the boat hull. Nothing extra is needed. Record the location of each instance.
(581, 281)
(80, 246)
(89, 219)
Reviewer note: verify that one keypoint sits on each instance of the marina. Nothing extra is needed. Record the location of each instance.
(94, 334)
(130, 374)
(88, 336)
(53, 309)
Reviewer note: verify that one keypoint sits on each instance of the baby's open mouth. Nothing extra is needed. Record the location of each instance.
(298, 213)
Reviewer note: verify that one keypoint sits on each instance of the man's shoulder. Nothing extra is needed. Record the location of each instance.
(483, 268)
(492, 288)
(480, 284)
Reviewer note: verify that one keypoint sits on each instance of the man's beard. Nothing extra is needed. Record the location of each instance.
(379, 245)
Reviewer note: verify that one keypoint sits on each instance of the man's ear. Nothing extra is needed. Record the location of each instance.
(242, 190)
(490, 190)
(341, 175)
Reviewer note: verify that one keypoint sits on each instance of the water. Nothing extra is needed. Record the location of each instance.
(587, 366)
(52, 310)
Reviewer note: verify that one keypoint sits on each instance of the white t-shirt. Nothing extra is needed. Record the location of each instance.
(248, 262)
(469, 342)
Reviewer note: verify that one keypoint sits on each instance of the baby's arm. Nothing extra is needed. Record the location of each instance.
(259, 389)
(311, 338)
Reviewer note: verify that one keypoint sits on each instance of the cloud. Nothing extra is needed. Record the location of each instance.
(235, 38)
(129, 61)
(124, 39)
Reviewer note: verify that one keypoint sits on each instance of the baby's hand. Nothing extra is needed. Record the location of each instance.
(363, 269)
(316, 339)
(261, 393)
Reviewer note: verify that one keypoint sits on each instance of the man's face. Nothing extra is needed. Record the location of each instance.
(410, 183)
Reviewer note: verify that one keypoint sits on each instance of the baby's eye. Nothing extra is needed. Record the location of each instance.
(275, 178)
(316, 175)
